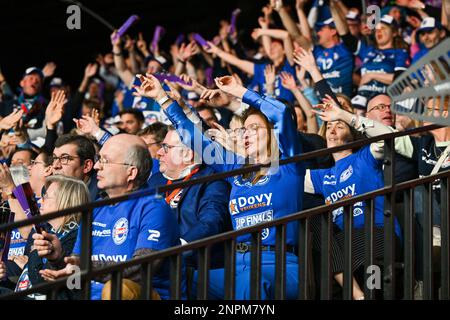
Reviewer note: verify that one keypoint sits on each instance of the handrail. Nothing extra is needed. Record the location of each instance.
(217, 176)
(209, 241)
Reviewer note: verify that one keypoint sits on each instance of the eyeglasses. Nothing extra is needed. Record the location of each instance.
(104, 161)
(33, 162)
(251, 129)
(64, 159)
(166, 147)
(381, 107)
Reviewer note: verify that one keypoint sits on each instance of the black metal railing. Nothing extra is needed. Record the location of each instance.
(306, 288)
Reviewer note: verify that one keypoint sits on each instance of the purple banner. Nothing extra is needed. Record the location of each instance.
(24, 194)
(159, 31)
(125, 27)
(201, 41)
(234, 15)
(169, 77)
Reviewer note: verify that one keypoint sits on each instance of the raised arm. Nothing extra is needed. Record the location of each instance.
(303, 35)
(211, 152)
(277, 113)
(119, 62)
(371, 128)
(282, 35)
(244, 65)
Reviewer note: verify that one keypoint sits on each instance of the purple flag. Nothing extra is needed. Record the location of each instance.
(125, 27)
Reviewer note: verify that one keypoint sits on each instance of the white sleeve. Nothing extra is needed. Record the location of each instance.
(309, 187)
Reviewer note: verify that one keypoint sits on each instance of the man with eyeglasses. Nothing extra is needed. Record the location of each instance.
(201, 209)
(125, 230)
(73, 156)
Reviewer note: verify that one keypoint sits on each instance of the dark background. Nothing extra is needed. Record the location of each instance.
(34, 32)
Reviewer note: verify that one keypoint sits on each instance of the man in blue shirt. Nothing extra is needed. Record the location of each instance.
(128, 229)
(335, 61)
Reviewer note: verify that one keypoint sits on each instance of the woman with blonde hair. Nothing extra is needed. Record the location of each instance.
(59, 193)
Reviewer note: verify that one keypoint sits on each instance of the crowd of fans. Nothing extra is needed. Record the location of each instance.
(143, 117)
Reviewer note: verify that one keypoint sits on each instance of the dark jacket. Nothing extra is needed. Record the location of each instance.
(36, 263)
(202, 211)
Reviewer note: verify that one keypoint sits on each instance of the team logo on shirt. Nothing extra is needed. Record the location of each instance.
(346, 174)
(242, 204)
(120, 231)
(238, 181)
(329, 180)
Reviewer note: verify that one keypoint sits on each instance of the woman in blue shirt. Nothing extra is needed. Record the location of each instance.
(274, 192)
(354, 173)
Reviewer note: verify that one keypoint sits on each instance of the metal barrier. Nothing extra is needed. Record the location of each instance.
(228, 239)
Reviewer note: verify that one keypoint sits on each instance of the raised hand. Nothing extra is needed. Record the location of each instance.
(141, 43)
(129, 43)
(6, 180)
(288, 81)
(186, 52)
(269, 75)
(215, 98)
(300, 4)
(263, 23)
(192, 84)
(87, 125)
(49, 69)
(305, 59)
(90, 70)
(328, 110)
(150, 87)
(212, 48)
(117, 41)
(276, 4)
(11, 120)
(174, 94)
(55, 108)
(230, 85)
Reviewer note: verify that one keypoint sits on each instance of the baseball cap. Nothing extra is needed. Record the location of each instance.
(32, 70)
(329, 22)
(388, 20)
(428, 24)
(359, 102)
(56, 82)
(353, 16)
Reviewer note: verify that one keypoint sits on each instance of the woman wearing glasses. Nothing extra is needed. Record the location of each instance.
(58, 193)
(273, 192)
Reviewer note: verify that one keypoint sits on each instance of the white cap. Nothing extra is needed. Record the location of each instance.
(359, 102)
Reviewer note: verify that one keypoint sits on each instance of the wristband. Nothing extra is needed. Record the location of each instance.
(163, 100)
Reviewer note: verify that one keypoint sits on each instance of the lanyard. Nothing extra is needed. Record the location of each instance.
(175, 192)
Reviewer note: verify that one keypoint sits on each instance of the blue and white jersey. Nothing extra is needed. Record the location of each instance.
(17, 244)
(336, 66)
(119, 230)
(281, 92)
(277, 194)
(351, 176)
(380, 61)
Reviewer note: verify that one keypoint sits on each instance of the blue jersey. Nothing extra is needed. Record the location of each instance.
(336, 66)
(281, 92)
(119, 230)
(17, 244)
(380, 61)
(351, 176)
(277, 194)
(420, 54)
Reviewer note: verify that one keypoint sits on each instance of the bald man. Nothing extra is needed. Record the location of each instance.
(126, 230)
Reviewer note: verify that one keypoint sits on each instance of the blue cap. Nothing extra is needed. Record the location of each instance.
(329, 22)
